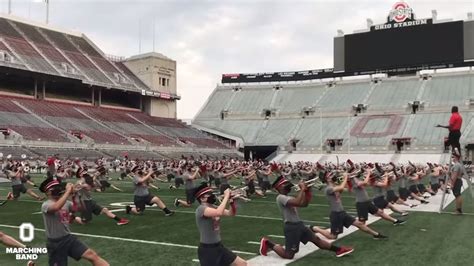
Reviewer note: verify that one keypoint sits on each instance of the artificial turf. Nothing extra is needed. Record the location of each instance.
(445, 240)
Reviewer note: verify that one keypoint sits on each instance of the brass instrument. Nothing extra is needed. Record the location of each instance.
(315, 182)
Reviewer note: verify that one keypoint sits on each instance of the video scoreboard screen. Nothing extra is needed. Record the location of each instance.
(395, 47)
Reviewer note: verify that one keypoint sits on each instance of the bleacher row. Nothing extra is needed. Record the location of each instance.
(46, 51)
(34, 153)
(388, 114)
(65, 122)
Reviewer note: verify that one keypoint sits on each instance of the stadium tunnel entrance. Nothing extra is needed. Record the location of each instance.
(258, 152)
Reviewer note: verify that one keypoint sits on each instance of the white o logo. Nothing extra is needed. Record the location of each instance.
(31, 232)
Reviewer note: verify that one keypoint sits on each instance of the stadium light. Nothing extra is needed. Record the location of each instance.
(434, 14)
(370, 22)
(340, 33)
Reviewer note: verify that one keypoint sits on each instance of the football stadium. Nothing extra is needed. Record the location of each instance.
(368, 162)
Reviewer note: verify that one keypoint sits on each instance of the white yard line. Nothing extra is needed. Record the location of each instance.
(276, 236)
(131, 240)
(238, 215)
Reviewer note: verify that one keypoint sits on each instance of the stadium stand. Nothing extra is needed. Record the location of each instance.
(56, 114)
(387, 113)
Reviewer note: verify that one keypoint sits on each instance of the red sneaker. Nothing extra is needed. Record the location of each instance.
(263, 246)
(122, 221)
(343, 251)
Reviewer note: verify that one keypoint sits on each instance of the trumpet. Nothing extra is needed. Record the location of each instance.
(236, 193)
(315, 182)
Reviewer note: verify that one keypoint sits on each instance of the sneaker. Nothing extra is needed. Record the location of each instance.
(9, 196)
(176, 202)
(343, 251)
(399, 222)
(169, 213)
(413, 205)
(122, 221)
(263, 246)
(426, 197)
(424, 202)
(380, 236)
(404, 214)
(128, 209)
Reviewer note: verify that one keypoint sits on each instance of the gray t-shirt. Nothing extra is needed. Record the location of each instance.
(334, 199)
(188, 182)
(16, 180)
(290, 213)
(402, 182)
(360, 192)
(56, 224)
(378, 191)
(457, 168)
(141, 189)
(209, 227)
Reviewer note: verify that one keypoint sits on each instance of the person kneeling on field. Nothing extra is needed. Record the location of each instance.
(142, 196)
(295, 230)
(338, 217)
(211, 252)
(56, 212)
(87, 206)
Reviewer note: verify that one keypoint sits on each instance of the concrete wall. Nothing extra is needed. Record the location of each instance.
(159, 73)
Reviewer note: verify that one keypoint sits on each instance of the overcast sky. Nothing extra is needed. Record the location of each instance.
(209, 38)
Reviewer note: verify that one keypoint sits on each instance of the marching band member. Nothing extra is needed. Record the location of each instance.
(142, 196)
(61, 243)
(211, 251)
(338, 217)
(295, 230)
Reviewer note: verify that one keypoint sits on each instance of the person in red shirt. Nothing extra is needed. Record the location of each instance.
(455, 123)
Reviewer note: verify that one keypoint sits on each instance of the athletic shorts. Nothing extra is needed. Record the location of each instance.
(391, 197)
(414, 189)
(17, 189)
(457, 187)
(215, 255)
(217, 182)
(403, 193)
(380, 202)
(141, 201)
(363, 210)
(435, 187)
(190, 199)
(339, 220)
(178, 181)
(104, 184)
(421, 188)
(59, 249)
(90, 207)
(251, 188)
(265, 185)
(296, 233)
(223, 187)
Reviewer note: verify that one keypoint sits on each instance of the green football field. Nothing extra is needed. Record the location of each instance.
(153, 239)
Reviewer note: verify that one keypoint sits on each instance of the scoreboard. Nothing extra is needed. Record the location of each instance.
(390, 46)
